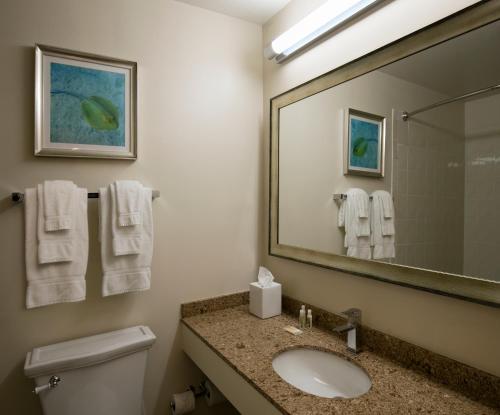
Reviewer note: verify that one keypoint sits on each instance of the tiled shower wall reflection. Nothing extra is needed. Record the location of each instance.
(482, 188)
(429, 189)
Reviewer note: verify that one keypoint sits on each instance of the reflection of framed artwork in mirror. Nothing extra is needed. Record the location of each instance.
(364, 143)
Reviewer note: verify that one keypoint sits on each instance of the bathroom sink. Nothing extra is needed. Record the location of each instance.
(322, 374)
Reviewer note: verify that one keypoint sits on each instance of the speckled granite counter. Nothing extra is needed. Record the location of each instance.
(248, 345)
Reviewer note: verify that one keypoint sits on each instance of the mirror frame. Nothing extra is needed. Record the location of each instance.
(473, 289)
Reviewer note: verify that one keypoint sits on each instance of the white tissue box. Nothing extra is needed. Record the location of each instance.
(265, 302)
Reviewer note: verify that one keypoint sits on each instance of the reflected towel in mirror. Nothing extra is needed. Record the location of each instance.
(383, 231)
(354, 217)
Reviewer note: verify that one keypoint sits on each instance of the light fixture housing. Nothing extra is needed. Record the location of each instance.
(330, 16)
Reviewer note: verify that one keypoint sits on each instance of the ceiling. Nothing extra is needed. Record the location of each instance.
(256, 11)
(464, 64)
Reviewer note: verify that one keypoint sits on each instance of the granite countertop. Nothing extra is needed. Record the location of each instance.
(249, 344)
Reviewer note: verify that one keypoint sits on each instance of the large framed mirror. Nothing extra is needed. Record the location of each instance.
(416, 123)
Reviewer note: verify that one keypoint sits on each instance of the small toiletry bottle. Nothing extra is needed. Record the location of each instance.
(309, 319)
(302, 317)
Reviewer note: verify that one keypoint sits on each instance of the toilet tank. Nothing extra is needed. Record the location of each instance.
(100, 375)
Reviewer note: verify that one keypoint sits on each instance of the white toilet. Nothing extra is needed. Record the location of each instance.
(99, 375)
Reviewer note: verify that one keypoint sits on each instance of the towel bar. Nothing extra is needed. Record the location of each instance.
(19, 197)
(343, 196)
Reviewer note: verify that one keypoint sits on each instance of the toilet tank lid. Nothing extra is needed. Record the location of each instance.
(87, 351)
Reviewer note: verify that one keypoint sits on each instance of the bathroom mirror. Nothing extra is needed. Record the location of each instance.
(419, 119)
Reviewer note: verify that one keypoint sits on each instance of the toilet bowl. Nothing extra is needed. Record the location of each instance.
(99, 375)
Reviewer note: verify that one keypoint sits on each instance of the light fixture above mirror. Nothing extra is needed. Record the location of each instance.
(330, 16)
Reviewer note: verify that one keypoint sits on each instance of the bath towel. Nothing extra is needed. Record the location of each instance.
(58, 204)
(125, 273)
(61, 281)
(354, 217)
(383, 231)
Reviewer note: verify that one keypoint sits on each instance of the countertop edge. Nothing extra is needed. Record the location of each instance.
(235, 368)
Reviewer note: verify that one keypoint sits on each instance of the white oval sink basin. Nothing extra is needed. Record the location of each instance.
(321, 373)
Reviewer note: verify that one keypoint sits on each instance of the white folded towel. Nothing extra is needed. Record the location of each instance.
(362, 202)
(129, 202)
(125, 273)
(53, 246)
(55, 282)
(127, 240)
(387, 217)
(354, 217)
(387, 204)
(382, 226)
(58, 204)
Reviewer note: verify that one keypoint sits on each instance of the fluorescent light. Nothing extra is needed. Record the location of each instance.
(326, 18)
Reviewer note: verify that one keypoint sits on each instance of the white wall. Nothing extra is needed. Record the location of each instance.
(200, 115)
(461, 330)
(482, 187)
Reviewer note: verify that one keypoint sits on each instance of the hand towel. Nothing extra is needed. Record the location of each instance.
(354, 218)
(53, 246)
(125, 273)
(56, 282)
(387, 205)
(129, 202)
(127, 240)
(387, 218)
(58, 204)
(362, 202)
(382, 227)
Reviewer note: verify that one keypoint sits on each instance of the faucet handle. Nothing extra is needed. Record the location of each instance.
(353, 315)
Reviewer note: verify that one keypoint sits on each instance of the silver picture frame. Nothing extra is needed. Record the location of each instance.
(64, 144)
(364, 117)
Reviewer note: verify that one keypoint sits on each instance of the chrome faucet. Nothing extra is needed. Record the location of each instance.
(353, 321)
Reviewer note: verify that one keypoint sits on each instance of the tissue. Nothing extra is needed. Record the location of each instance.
(265, 295)
(265, 277)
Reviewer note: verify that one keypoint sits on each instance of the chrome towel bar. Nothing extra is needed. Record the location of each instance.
(18, 197)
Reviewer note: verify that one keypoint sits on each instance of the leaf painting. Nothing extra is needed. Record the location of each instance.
(360, 146)
(87, 106)
(364, 143)
(100, 113)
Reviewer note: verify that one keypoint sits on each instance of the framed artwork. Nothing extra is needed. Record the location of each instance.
(85, 105)
(364, 143)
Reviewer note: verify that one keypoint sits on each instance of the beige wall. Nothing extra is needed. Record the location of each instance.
(482, 187)
(461, 330)
(200, 114)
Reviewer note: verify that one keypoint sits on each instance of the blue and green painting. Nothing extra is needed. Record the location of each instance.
(364, 143)
(87, 106)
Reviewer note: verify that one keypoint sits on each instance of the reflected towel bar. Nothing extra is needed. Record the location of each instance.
(19, 197)
(343, 196)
